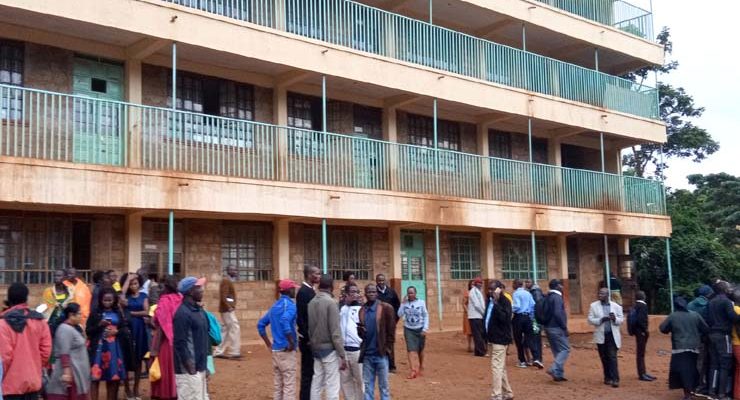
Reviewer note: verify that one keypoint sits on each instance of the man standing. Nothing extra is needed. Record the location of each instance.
(227, 306)
(349, 317)
(386, 294)
(523, 309)
(281, 317)
(476, 308)
(83, 297)
(25, 346)
(700, 305)
(606, 316)
(377, 327)
(556, 327)
(498, 332)
(640, 330)
(306, 293)
(721, 319)
(191, 341)
(327, 345)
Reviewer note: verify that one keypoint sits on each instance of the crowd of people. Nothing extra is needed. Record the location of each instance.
(120, 330)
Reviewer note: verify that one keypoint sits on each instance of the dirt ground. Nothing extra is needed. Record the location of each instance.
(452, 373)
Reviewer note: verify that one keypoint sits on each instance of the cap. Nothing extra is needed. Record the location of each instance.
(286, 284)
(188, 283)
(478, 280)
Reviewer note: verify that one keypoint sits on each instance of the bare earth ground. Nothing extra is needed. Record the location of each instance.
(452, 373)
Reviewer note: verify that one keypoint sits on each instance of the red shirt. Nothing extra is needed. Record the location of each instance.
(24, 354)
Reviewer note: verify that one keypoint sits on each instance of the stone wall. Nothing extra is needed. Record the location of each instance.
(48, 68)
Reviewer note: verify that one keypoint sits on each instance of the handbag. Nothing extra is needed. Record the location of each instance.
(155, 373)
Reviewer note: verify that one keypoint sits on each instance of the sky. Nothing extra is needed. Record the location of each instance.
(706, 47)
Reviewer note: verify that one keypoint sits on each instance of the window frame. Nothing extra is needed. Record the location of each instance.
(342, 242)
(305, 139)
(12, 62)
(524, 268)
(465, 248)
(248, 246)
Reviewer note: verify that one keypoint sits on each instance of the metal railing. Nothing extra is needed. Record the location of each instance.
(361, 27)
(617, 13)
(53, 126)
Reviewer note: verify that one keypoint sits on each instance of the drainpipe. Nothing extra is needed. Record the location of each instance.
(534, 259)
(439, 276)
(171, 222)
(324, 248)
(670, 270)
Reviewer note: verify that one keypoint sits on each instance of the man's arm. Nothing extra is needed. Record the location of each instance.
(45, 344)
(261, 329)
(425, 316)
(286, 325)
(666, 327)
(478, 302)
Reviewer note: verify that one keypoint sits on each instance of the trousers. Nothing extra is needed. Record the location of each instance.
(608, 355)
(326, 377)
(284, 371)
(231, 335)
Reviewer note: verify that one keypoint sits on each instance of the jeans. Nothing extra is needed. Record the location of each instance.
(372, 367)
(608, 355)
(326, 377)
(306, 369)
(560, 350)
(522, 327)
(642, 339)
(720, 357)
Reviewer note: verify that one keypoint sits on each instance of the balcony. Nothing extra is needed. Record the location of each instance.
(372, 30)
(60, 127)
(619, 14)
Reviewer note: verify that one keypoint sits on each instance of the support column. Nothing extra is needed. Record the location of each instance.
(562, 262)
(281, 249)
(390, 134)
(133, 90)
(625, 264)
(133, 241)
(280, 118)
(482, 134)
(488, 258)
(394, 272)
(555, 157)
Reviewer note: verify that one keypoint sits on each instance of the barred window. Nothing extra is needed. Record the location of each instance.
(248, 247)
(499, 144)
(517, 258)
(350, 250)
(304, 112)
(11, 73)
(465, 255)
(368, 121)
(421, 132)
(236, 100)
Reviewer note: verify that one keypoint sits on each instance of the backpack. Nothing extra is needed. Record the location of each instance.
(543, 310)
(632, 321)
(214, 329)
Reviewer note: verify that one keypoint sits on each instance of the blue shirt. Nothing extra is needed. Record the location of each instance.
(371, 330)
(523, 302)
(281, 317)
(489, 310)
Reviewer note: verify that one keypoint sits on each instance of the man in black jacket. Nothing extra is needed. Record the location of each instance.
(556, 327)
(721, 318)
(497, 320)
(386, 294)
(311, 277)
(640, 330)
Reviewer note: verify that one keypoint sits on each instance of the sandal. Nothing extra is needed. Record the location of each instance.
(412, 374)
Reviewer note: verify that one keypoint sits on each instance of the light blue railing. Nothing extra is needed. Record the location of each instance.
(361, 27)
(617, 13)
(53, 126)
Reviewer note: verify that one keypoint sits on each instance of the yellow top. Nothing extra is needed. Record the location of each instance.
(735, 333)
(508, 296)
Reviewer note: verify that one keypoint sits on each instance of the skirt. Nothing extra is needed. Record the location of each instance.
(414, 339)
(683, 373)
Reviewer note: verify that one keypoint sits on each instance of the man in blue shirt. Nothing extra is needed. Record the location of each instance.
(523, 308)
(282, 320)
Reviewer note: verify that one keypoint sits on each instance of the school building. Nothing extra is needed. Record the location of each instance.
(432, 141)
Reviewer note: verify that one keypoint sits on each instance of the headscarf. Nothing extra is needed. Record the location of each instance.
(165, 312)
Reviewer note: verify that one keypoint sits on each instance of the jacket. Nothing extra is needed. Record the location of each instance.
(323, 325)
(498, 330)
(700, 305)
(558, 317)
(596, 313)
(226, 291)
(721, 315)
(642, 320)
(304, 296)
(281, 318)
(388, 295)
(476, 304)
(686, 329)
(25, 347)
(83, 297)
(385, 325)
(192, 343)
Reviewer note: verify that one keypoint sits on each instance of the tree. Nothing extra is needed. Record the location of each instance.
(677, 110)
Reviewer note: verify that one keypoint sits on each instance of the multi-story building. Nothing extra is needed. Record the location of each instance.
(432, 141)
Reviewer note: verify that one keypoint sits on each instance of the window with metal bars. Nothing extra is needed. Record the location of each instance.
(248, 247)
(368, 121)
(465, 256)
(350, 250)
(499, 144)
(421, 133)
(517, 258)
(304, 113)
(11, 73)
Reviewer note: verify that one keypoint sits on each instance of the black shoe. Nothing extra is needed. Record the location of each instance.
(559, 379)
(651, 377)
(647, 378)
(607, 382)
(615, 384)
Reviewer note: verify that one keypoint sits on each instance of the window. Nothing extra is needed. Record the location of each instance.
(350, 250)
(539, 150)
(517, 258)
(368, 121)
(304, 112)
(499, 144)
(465, 255)
(421, 133)
(248, 246)
(11, 73)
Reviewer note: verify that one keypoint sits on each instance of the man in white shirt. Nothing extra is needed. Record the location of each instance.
(349, 317)
(607, 316)
(476, 309)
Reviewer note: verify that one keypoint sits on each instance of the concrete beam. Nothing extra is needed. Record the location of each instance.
(560, 133)
(145, 48)
(566, 51)
(492, 28)
(493, 118)
(290, 78)
(400, 100)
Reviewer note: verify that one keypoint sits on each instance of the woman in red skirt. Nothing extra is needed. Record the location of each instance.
(165, 388)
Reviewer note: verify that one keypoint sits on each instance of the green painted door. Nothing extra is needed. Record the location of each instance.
(413, 264)
(98, 124)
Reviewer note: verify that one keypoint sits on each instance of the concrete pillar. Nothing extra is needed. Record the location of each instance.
(613, 160)
(394, 239)
(482, 142)
(280, 118)
(625, 265)
(133, 242)
(133, 90)
(281, 249)
(390, 134)
(554, 152)
(488, 266)
(562, 263)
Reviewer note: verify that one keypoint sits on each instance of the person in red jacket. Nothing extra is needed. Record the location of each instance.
(25, 346)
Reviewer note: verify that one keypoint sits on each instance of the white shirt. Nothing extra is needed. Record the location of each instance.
(349, 317)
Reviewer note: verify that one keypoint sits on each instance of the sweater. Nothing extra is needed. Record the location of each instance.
(721, 315)
(324, 330)
(686, 329)
(476, 304)
(558, 317)
(415, 315)
(281, 318)
(25, 347)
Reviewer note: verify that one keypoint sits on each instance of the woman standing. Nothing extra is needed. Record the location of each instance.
(56, 299)
(106, 331)
(466, 323)
(686, 329)
(415, 327)
(136, 307)
(70, 377)
(165, 388)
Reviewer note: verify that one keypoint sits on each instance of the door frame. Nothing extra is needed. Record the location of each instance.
(420, 284)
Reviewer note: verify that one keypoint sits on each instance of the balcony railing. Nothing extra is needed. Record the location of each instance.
(617, 13)
(61, 127)
(376, 31)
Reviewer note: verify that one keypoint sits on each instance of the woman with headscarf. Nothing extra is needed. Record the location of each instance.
(165, 387)
(686, 329)
(70, 377)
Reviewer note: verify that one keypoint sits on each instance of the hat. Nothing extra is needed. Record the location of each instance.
(188, 283)
(477, 280)
(705, 291)
(286, 284)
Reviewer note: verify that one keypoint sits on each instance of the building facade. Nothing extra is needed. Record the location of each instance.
(430, 141)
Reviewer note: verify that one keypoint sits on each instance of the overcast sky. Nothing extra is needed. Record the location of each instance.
(706, 46)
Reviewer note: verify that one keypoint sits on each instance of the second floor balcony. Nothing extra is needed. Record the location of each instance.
(617, 13)
(70, 128)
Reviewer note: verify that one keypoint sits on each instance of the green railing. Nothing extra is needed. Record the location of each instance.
(369, 29)
(61, 127)
(617, 13)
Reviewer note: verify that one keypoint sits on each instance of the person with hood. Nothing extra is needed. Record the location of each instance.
(534, 340)
(165, 388)
(721, 319)
(700, 305)
(686, 329)
(25, 346)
